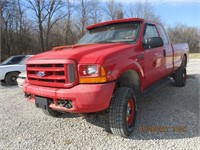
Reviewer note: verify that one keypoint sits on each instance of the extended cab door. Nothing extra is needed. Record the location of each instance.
(154, 65)
(167, 50)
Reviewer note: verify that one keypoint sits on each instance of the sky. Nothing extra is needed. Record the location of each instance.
(174, 12)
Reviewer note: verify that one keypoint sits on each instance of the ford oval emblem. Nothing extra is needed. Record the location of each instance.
(41, 74)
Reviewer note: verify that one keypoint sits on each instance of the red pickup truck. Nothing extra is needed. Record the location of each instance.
(106, 70)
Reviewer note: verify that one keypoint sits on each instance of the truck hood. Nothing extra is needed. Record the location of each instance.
(84, 53)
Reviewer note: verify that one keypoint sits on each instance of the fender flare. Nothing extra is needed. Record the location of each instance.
(132, 66)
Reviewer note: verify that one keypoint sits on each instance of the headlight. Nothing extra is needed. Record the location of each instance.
(92, 70)
(87, 70)
(92, 74)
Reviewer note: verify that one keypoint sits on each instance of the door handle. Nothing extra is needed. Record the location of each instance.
(164, 53)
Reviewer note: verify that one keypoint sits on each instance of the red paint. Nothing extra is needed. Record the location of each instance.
(130, 112)
(114, 22)
(116, 58)
(85, 98)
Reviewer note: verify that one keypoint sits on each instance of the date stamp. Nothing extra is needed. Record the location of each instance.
(176, 129)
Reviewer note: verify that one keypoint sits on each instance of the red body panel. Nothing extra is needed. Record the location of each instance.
(85, 97)
(151, 65)
(114, 22)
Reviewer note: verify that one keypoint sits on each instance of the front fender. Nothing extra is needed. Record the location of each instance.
(117, 69)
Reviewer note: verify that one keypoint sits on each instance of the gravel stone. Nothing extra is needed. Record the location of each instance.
(23, 126)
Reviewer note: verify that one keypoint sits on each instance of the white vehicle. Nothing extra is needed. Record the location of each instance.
(21, 78)
(9, 73)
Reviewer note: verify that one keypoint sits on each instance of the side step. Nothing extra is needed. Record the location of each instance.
(156, 86)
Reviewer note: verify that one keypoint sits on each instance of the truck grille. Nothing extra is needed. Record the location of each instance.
(55, 74)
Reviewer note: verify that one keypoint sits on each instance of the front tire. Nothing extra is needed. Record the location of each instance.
(122, 112)
(51, 112)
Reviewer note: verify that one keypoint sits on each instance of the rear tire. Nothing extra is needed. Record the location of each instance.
(51, 112)
(181, 74)
(122, 112)
(11, 78)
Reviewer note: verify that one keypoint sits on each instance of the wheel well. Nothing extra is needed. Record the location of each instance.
(129, 78)
(185, 59)
(12, 72)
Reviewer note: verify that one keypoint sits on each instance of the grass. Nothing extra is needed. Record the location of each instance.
(194, 56)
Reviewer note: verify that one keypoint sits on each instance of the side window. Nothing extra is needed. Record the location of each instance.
(16, 60)
(163, 35)
(150, 31)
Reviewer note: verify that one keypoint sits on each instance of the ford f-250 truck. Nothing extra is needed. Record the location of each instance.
(115, 61)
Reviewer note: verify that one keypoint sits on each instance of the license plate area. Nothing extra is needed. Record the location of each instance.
(41, 102)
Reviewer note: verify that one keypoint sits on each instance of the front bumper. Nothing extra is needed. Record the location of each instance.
(85, 97)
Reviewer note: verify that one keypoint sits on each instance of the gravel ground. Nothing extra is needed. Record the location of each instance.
(167, 119)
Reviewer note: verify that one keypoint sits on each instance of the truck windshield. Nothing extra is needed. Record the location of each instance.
(123, 32)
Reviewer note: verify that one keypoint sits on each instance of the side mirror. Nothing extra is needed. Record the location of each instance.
(153, 42)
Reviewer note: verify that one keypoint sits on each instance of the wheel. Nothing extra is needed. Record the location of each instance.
(122, 112)
(51, 112)
(11, 78)
(181, 74)
(3, 81)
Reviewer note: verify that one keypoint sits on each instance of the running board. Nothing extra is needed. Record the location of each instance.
(156, 86)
